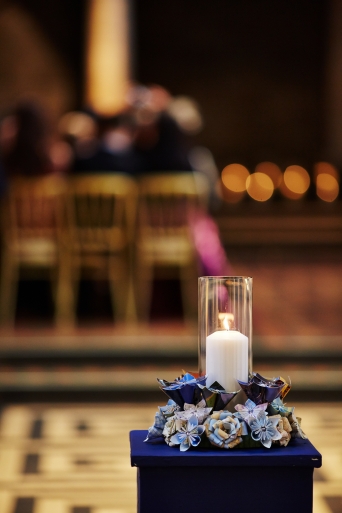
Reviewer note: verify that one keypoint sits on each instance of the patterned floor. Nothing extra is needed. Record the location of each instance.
(75, 458)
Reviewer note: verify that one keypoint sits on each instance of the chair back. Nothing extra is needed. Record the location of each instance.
(101, 211)
(169, 201)
(33, 217)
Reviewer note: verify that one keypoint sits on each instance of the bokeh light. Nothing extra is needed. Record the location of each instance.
(272, 170)
(234, 178)
(259, 186)
(327, 181)
(296, 181)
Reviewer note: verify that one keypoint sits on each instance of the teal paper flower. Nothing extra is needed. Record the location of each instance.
(189, 433)
(264, 429)
(280, 407)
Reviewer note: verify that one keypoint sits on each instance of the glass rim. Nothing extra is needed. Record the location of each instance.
(224, 277)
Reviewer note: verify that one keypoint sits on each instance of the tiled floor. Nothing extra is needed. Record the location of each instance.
(75, 458)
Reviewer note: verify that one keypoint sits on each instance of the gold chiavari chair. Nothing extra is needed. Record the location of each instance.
(100, 216)
(168, 203)
(32, 224)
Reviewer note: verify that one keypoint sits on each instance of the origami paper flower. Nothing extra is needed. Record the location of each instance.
(250, 410)
(284, 429)
(264, 429)
(264, 390)
(215, 396)
(189, 433)
(156, 431)
(169, 429)
(280, 407)
(224, 430)
(200, 411)
(169, 408)
(184, 389)
(295, 423)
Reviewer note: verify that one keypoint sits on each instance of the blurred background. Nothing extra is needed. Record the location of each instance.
(221, 126)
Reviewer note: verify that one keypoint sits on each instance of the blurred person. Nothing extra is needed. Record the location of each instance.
(159, 141)
(101, 145)
(27, 144)
(165, 125)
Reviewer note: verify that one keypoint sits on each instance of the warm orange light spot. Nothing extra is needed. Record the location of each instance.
(259, 186)
(272, 170)
(327, 187)
(234, 177)
(325, 168)
(227, 195)
(296, 181)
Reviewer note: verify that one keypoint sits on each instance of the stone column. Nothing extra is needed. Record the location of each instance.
(333, 91)
(107, 55)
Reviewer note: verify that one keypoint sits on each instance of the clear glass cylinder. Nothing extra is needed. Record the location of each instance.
(225, 330)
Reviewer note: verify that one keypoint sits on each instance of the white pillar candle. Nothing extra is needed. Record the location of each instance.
(227, 358)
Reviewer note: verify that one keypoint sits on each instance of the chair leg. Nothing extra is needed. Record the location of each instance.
(122, 292)
(131, 311)
(66, 296)
(144, 283)
(8, 289)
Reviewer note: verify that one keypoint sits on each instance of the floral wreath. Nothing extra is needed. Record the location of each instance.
(196, 415)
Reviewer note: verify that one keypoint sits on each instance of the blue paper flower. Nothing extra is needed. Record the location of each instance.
(224, 429)
(215, 396)
(156, 431)
(280, 407)
(264, 390)
(264, 429)
(250, 410)
(189, 433)
(183, 389)
(169, 409)
(200, 411)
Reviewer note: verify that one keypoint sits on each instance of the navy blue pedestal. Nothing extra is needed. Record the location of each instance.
(203, 480)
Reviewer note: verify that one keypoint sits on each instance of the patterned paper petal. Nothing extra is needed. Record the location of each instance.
(184, 389)
(188, 393)
(156, 431)
(263, 390)
(224, 430)
(161, 416)
(192, 423)
(184, 446)
(170, 427)
(264, 429)
(216, 397)
(178, 438)
(280, 407)
(169, 408)
(250, 410)
(189, 433)
(195, 440)
(174, 395)
(192, 407)
(200, 413)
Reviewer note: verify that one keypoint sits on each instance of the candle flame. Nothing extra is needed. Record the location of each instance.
(227, 320)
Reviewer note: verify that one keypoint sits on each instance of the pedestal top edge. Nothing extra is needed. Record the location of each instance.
(299, 453)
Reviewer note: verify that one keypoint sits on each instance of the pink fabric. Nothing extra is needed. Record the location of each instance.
(213, 258)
